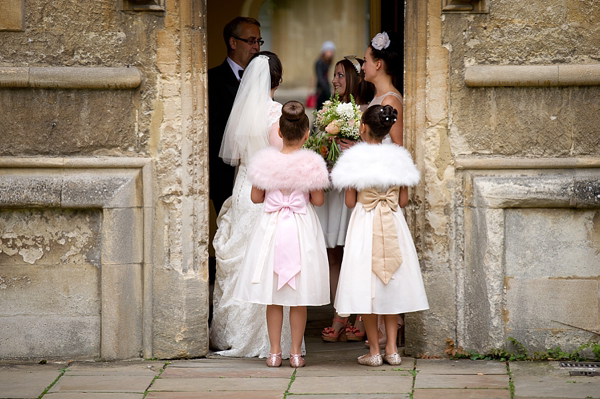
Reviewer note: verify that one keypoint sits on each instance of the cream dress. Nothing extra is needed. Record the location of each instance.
(359, 289)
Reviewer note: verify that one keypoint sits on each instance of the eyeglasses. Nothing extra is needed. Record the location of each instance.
(252, 41)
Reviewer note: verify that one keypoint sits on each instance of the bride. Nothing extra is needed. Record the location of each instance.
(239, 329)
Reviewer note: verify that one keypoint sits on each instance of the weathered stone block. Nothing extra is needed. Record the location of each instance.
(12, 17)
(552, 243)
(586, 119)
(122, 316)
(179, 334)
(52, 336)
(102, 189)
(66, 122)
(27, 189)
(49, 237)
(61, 290)
(534, 306)
(122, 236)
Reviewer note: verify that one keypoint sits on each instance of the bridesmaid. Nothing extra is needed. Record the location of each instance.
(348, 79)
(382, 66)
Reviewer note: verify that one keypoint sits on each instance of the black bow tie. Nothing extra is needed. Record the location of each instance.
(240, 73)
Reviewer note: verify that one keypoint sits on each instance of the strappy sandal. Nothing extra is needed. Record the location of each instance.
(296, 360)
(274, 360)
(329, 334)
(353, 333)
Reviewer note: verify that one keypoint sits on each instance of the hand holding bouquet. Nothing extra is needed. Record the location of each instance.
(336, 120)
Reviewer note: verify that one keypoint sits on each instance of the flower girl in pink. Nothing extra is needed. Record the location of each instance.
(286, 259)
(380, 271)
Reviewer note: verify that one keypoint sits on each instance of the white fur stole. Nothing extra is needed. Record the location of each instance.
(302, 170)
(374, 165)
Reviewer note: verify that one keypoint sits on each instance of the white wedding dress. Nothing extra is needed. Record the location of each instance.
(239, 329)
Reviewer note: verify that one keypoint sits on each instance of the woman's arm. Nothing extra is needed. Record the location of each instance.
(257, 195)
(403, 199)
(396, 132)
(350, 197)
(317, 197)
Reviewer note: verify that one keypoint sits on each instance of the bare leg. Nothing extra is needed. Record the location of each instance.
(298, 325)
(370, 321)
(391, 329)
(274, 323)
(334, 256)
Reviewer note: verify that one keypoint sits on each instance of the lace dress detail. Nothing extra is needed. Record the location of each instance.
(239, 329)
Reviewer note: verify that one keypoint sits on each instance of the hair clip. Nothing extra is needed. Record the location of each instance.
(264, 57)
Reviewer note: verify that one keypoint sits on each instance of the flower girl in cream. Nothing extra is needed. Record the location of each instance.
(286, 259)
(380, 271)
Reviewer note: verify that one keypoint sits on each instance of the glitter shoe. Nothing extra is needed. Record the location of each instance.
(393, 358)
(296, 360)
(274, 360)
(373, 361)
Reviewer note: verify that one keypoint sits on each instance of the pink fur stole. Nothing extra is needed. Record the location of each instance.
(302, 170)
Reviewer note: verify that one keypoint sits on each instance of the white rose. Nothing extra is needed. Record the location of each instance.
(380, 41)
(345, 109)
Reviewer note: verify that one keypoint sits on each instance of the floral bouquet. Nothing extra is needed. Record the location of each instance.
(334, 120)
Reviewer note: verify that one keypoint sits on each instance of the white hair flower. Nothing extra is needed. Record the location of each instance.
(380, 41)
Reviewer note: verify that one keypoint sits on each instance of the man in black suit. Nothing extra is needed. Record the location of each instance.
(242, 38)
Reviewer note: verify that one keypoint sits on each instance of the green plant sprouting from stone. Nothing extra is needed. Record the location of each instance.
(520, 353)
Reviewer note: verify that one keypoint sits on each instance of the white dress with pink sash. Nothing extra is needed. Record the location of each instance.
(286, 259)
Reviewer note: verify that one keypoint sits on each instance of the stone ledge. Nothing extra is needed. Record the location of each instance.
(532, 75)
(97, 78)
(464, 163)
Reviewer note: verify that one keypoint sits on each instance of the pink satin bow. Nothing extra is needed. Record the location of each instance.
(287, 261)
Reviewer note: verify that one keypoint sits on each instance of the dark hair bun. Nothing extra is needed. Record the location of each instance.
(388, 115)
(292, 110)
(293, 122)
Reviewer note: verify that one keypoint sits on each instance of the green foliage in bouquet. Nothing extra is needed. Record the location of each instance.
(334, 120)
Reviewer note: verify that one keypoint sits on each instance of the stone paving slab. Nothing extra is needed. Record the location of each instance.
(26, 381)
(83, 395)
(103, 383)
(549, 380)
(361, 396)
(218, 395)
(462, 381)
(352, 384)
(552, 387)
(464, 366)
(337, 369)
(105, 368)
(213, 372)
(218, 362)
(461, 394)
(546, 397)
(220, 384)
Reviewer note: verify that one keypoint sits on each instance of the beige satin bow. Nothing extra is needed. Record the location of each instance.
(387, 257)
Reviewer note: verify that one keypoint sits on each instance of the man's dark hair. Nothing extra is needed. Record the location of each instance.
(232, 29)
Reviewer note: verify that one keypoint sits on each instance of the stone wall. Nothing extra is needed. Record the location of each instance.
(103, 138)
(506, 217)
